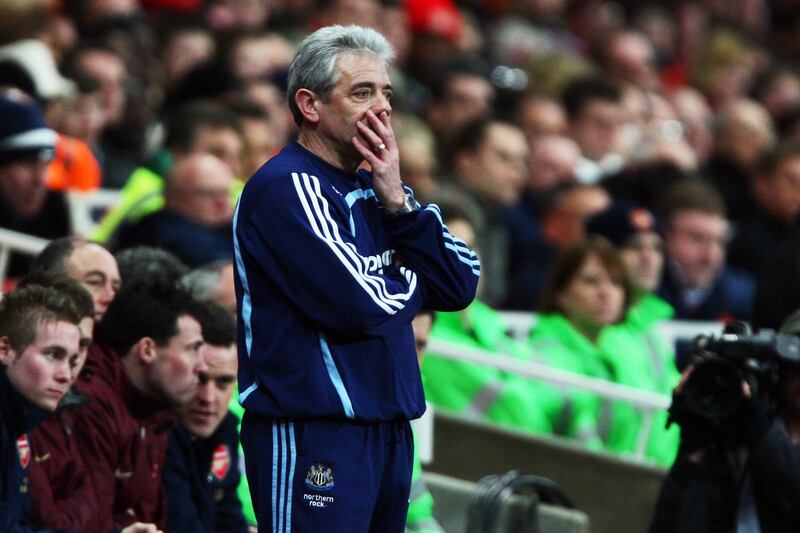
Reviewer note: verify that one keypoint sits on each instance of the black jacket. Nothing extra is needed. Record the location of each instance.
(16, 421)
(201, 477)
(703, 497)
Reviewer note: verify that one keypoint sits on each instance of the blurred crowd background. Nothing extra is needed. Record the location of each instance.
(527, 116)
(615, 164)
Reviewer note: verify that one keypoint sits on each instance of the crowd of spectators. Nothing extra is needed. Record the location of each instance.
(614, 163)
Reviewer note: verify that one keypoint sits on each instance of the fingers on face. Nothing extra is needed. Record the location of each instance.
(365, 151)
(369, 134)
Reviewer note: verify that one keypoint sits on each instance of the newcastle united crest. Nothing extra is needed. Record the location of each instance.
(320, 477)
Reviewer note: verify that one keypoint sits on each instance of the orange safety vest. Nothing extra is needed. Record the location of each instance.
(74, 167)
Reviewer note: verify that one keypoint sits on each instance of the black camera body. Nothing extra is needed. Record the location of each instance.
(714, 389)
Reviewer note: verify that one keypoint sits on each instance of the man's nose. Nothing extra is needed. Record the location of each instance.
(382, 105)
(63, 373)
(200, 366)
(205, 392)
(108, 293)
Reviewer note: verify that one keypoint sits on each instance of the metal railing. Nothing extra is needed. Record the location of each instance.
(13, 241)
(646, 401)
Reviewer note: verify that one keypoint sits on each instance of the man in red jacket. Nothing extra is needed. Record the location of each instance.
(145, 363)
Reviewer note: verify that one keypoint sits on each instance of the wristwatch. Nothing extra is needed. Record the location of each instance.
(409, 204)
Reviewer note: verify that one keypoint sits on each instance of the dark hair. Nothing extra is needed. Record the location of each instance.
(690, 194)
(569, 262)
(84, 304)
(185, 123)
(53, 257)
(210, 80)
(245, 107)
(218, 325)
(23, 310)
(427, 312)
(145, 264)
(142, 310)
(472, 135)
(452, 68)
(579, 92)
(770, 161)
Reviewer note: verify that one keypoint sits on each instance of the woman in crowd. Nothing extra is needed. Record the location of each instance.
(588, 291)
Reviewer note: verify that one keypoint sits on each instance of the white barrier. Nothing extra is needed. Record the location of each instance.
(13, 241)
(83, 205)
(520, 324)
(646, 401)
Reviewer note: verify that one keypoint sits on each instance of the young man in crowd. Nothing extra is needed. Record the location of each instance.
(39, 342)
(55, 483)
(39, 350)
(146, 362)
(202, 470)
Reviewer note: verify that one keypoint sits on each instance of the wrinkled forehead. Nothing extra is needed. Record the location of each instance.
(357, 67)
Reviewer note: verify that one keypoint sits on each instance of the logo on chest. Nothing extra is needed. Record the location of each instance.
(221, 462)
(24, 451)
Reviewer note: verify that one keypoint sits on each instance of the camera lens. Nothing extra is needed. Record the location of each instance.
(714, 389)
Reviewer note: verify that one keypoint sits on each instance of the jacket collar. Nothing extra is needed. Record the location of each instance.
(17, 414)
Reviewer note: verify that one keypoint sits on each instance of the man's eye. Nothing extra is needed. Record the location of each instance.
(388, 95)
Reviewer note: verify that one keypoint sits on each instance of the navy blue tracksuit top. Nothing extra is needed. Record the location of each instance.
(327, 286)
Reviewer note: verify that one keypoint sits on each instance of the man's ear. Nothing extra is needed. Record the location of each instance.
(307, 102)
(145, 351)
(7, 353)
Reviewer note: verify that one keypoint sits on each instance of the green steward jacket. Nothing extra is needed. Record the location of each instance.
(652, 368)
(630, 353)
(475, 390)
(244, 489)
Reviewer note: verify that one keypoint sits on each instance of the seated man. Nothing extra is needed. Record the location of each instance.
(39, 340)
(53, 483)
(86, 262)
(195, 223)
(39, 344)
(202, 472)
(146, 361)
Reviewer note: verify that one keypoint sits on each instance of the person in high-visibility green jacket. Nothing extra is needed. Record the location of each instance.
(243, 491)
(470, 389)
(588, 291)
(477, 390)
(646, 360)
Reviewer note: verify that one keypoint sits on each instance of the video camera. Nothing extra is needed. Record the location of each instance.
(714, 389)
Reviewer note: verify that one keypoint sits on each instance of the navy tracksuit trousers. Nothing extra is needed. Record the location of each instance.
(328, 476)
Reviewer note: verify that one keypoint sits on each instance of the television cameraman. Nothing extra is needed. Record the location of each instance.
(739, 473)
